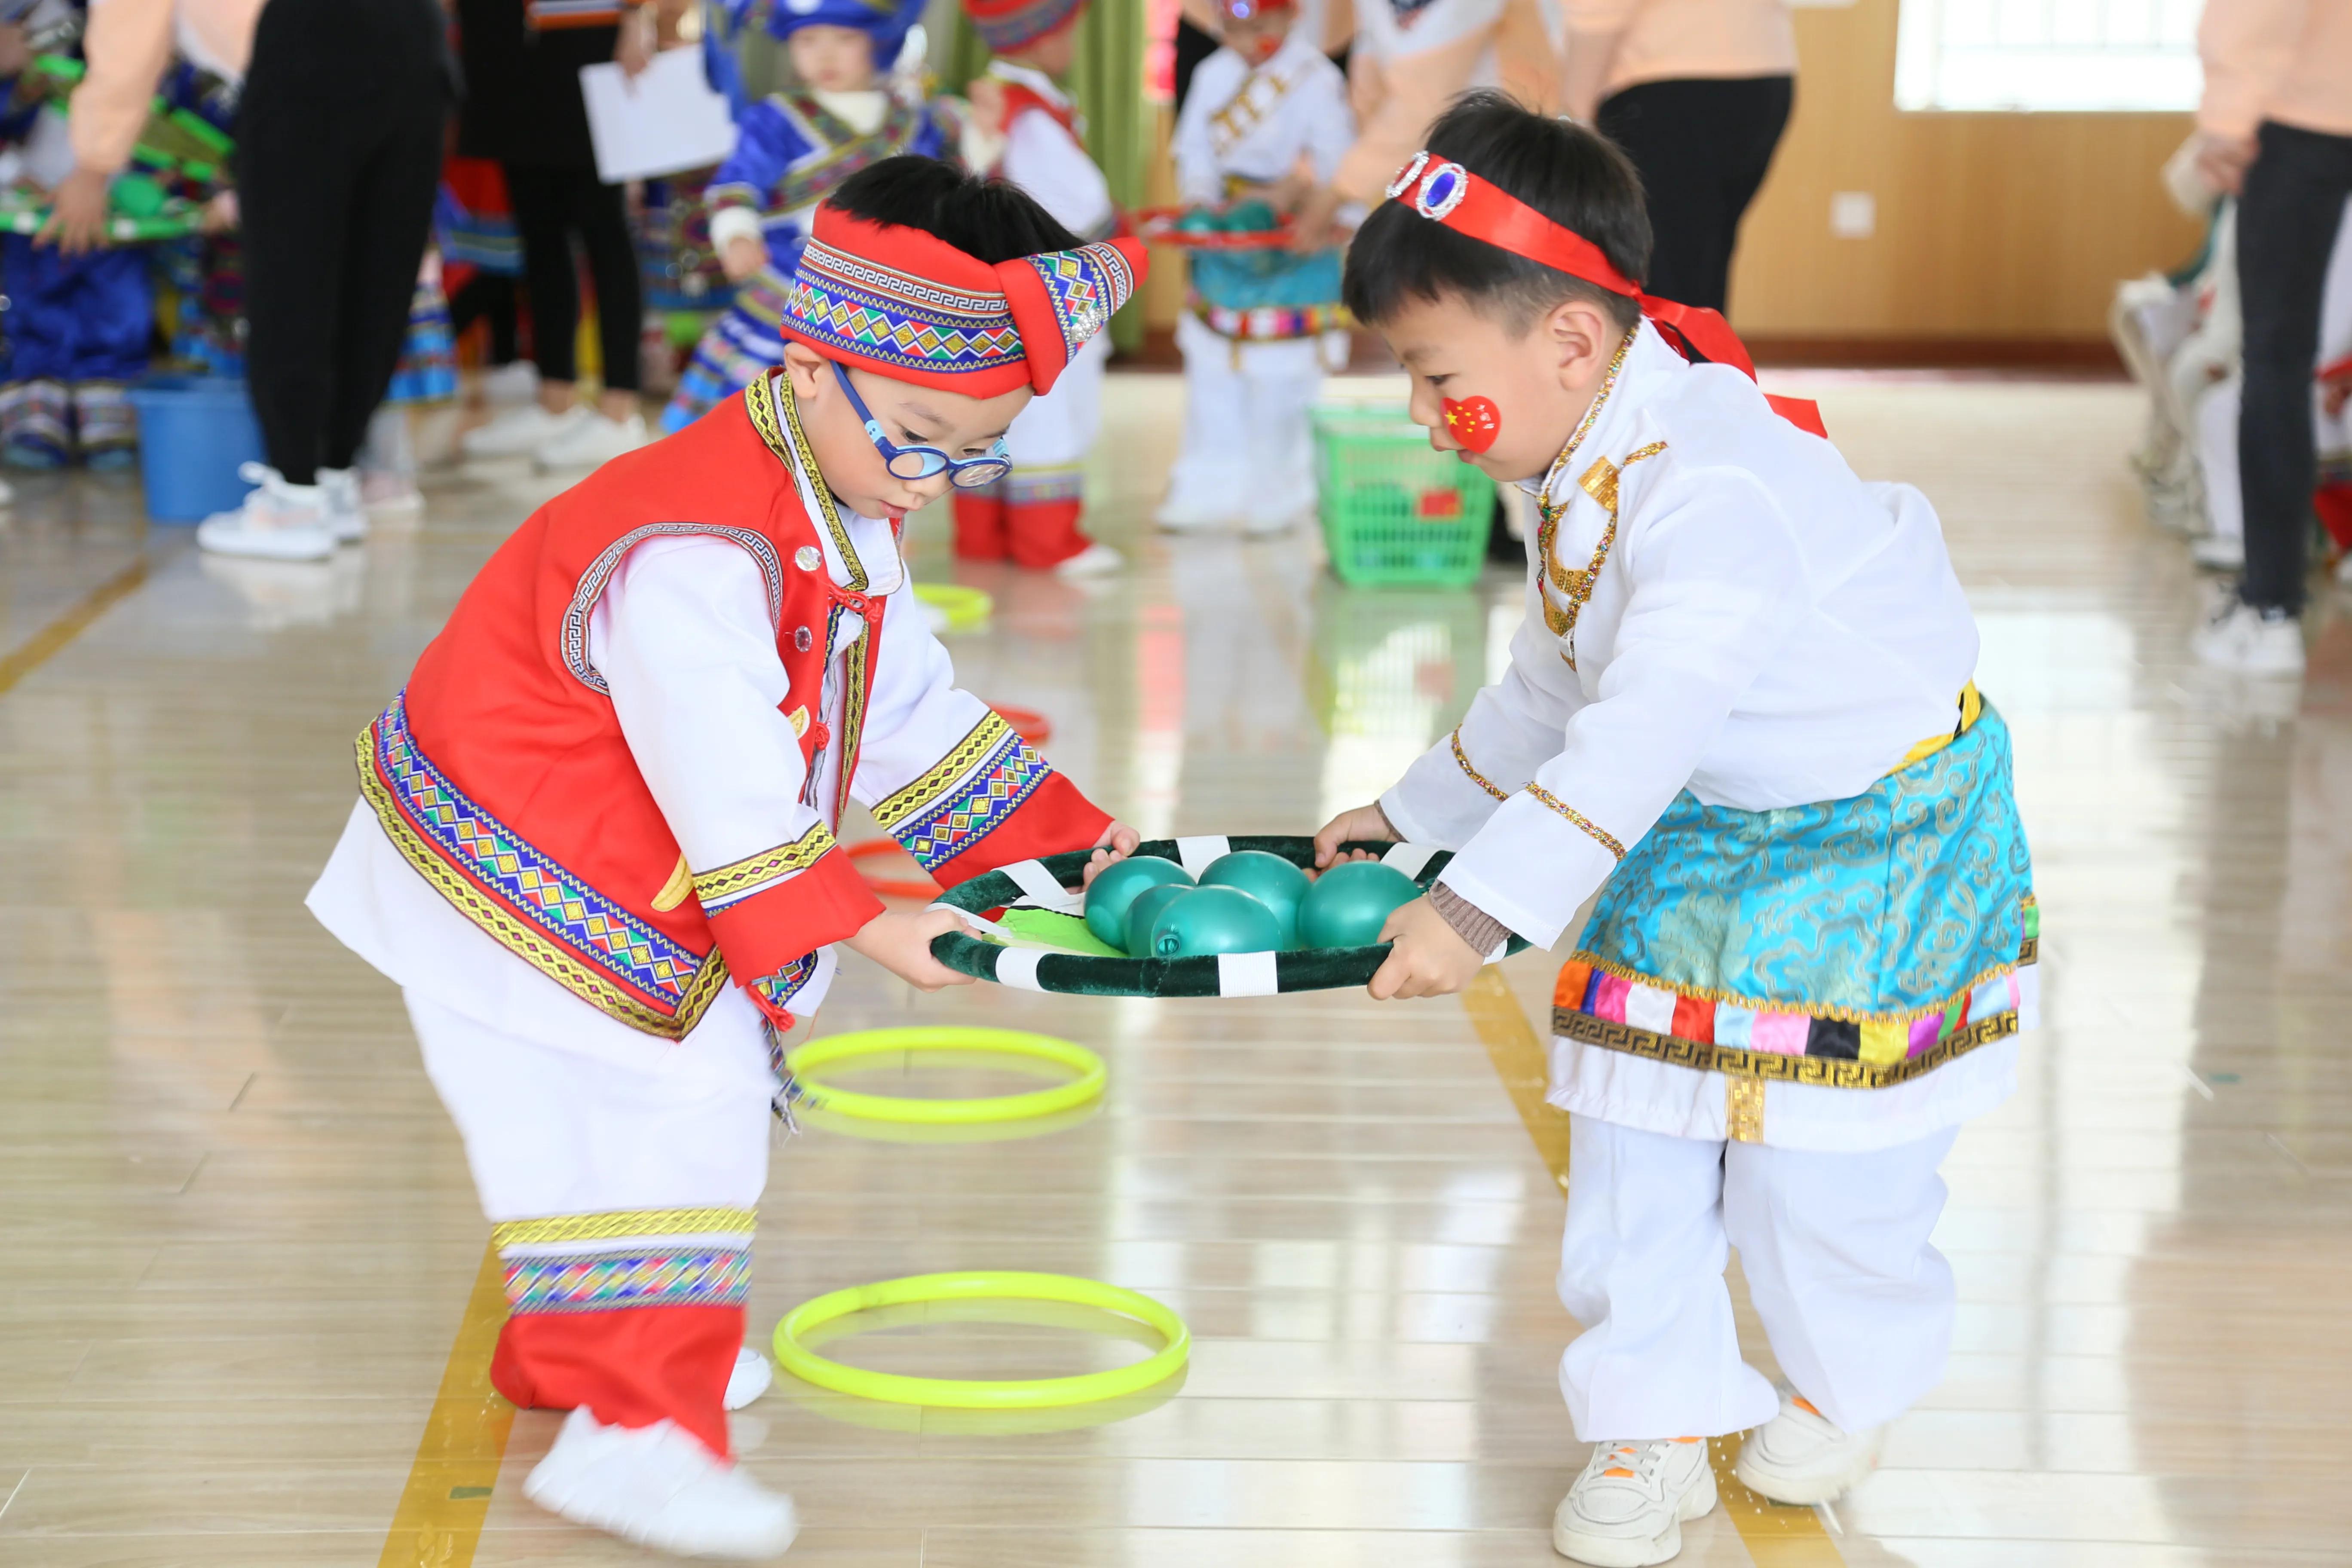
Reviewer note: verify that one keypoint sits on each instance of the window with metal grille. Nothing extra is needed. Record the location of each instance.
(2053, 55)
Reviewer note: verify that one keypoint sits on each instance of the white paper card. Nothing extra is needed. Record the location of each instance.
(667, 119)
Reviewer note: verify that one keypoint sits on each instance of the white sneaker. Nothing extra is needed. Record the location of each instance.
(1094, 560)
(591, 444)
(510, 383)
(520, 432)
(385, 493)
(279, 521)
(346, 514)
(2219, 551)
(1180, 515)
(2251, 641)
(751, 1378)
(1802, 1458)
(7, 492)
(657, 1487)
(1626, 1511)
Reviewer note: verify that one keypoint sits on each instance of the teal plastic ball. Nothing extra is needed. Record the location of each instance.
(1214, 920)
(1269, 878)
(1251, 217)
(1347, 904)
(1116, 887)
(1136, 940)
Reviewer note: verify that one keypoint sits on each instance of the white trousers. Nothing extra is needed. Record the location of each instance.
(1249, 450)
(551, 1133)
(1857, 1305)
(1057, 430)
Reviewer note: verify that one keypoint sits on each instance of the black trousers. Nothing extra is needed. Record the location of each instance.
(494, 298)
(338, 154)
(2287, 219)
(551, 206)
(1702, 147)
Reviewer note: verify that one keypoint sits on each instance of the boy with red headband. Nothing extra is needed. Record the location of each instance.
(1028, 131)
(1264, 128)
(595, 839)
(1741, 710)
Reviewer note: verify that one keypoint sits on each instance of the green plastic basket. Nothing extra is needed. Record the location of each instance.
(1393, 510)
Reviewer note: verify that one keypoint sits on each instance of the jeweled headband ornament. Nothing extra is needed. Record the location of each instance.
(907, 305)
(1445, 192)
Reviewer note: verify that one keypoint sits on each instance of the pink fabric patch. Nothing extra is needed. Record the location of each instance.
(1924, 1032)
(1783, 1034)
(1609, 997)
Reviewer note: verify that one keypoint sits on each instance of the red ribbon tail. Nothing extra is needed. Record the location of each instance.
(1702, 331)
(1801, 412)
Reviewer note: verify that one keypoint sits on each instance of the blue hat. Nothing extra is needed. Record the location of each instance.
(887, 22)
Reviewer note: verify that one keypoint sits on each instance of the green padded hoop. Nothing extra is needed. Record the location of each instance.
(1232, 974)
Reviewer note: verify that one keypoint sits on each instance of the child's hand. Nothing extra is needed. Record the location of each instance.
(1368, 823)
(742, 256)
(900, 942)
(1429, 958)
(1118, 841)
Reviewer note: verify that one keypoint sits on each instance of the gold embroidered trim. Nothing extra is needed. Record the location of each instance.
(1832, 1072)
(736, 876)
(1477, 777)
(969, 753)
(526, 941)
(674, 891)
(769, 401)
(1743, 1109)
(625, 1223)
(1599, 482)
(1600, 834)
(2029, 952)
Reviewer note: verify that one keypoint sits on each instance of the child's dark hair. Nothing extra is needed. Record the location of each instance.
(1573, 176)
(982, 217)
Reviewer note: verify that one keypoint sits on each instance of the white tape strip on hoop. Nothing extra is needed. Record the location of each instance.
(1196, 853)
(1409, 859)
(1245, 975)
(1037, 885)
(1017, 967)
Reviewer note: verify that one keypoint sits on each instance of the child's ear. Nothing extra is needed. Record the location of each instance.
(1582, 336)
(805, 369)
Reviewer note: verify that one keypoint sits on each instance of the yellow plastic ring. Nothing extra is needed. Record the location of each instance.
(1032, 1394)
(964, 607)
(835, 1048)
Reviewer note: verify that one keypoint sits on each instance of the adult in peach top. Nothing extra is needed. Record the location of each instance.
(2275, 130)
(1697, 93)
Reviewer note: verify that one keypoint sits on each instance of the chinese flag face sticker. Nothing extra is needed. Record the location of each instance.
(1472, 421)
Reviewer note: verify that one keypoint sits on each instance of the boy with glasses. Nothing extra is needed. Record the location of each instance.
(595, 843)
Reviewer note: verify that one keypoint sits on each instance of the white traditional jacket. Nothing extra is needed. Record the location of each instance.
(1253, 125)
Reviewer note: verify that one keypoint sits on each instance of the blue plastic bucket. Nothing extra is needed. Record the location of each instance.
(194, 432)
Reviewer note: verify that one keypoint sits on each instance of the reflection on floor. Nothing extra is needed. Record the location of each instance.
(240, 1234)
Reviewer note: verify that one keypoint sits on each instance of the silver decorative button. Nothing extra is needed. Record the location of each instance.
(803, 639)
(807, 558)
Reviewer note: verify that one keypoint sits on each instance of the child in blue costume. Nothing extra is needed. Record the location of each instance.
(792, 149)
(79, 326)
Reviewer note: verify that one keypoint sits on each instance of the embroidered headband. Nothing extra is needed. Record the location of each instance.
(1005, 25)
(887, 22)
(1243, 10)
(905, 304)
(1448, 193)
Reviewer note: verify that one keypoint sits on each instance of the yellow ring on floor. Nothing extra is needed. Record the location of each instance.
(834, 1049)
(964, 607)
(990, 1285)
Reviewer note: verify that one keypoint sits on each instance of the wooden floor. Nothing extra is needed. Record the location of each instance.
(240, 1242)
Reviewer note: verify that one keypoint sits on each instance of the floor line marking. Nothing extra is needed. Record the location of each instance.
(1776, 1536)
(20, 662)
(442, 1509)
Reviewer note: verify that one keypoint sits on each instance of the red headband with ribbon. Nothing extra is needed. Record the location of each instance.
(1447, 192)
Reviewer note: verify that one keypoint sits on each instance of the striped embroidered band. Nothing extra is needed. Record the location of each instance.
(643, 1257)
(1007, 26)
(966, 797)
(904, 304)
(1463, 757)
(541, 912)
(723, 886)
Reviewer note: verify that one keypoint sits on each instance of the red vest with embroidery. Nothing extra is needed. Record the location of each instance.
(502, 775)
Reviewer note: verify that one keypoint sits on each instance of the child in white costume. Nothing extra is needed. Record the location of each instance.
(1267, 113)
(1740, 708)
(595, 840)
(1033, 517)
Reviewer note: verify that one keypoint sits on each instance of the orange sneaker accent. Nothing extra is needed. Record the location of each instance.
(1613, 1471)
(1805, 1405)
(1690, 1439)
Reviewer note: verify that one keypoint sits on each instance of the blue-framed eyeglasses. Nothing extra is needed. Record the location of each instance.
(922, 462)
